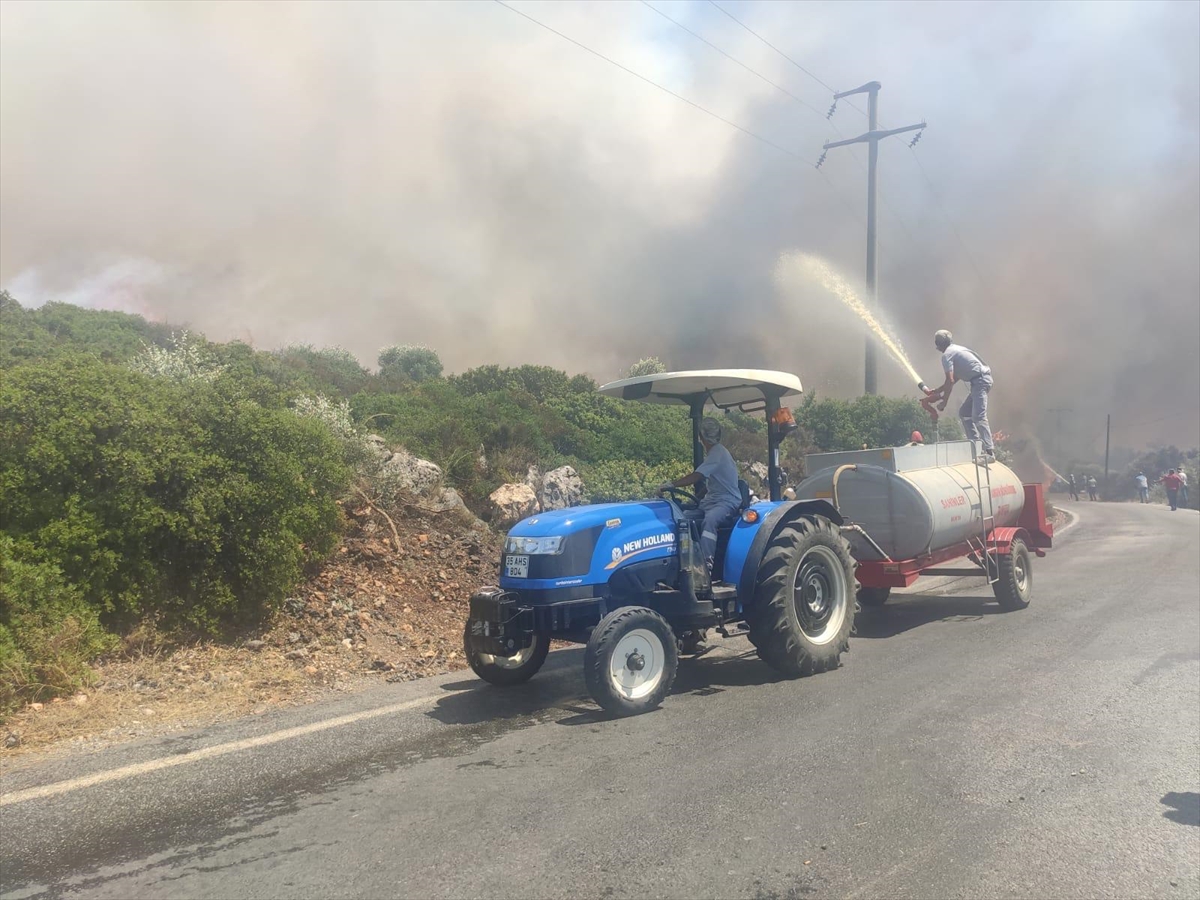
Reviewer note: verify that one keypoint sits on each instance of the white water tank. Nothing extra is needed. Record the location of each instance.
(914, 500)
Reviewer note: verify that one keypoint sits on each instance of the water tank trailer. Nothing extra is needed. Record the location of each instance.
(909, 510)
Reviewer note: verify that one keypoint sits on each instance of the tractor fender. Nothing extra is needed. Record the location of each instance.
(778, 518)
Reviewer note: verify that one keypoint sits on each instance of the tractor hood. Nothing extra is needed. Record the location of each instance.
(597, 540)
(581, 518)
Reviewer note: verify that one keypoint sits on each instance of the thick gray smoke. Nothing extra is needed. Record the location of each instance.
(451, 174)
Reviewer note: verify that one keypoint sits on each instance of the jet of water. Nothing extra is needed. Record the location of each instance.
(809, 267)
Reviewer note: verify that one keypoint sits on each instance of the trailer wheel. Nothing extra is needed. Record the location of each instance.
(872, 597)
(630, 661)
(1015, 587)
(506, 670)
(803, 610)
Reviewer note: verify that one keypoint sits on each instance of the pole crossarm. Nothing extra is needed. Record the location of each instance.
(873, 136)
(864, 89)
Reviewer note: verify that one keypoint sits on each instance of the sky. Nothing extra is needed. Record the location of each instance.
(457, 175)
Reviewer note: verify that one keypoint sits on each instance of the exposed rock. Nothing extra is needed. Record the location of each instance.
(255, 645)
(758, 470)
(512, 502)
(561, 487)
(296, 654)
(533, 478)
(404, 473)
(12, 739)
(443, 500)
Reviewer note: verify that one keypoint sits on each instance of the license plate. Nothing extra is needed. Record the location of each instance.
(516, 566)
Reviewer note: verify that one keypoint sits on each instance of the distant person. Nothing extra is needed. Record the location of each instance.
(1183, 490)
(1143, 486)
(917, 440)
(961, 364)
(1072, 487)
(1092, 486)
(1171, 482)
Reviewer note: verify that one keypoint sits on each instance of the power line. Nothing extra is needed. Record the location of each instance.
(773, 47)
(704, 40)
(706, 111)
(895, 212)
(640, 76)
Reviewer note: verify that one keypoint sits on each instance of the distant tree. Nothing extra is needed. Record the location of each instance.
(409, 361)
(329, 370)
(651, 365)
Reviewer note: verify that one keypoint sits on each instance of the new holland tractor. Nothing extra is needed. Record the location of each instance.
(627, 579)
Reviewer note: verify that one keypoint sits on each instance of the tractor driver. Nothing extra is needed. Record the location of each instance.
(723, 498)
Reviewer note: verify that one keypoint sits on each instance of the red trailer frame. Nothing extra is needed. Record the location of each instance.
(1033, 528)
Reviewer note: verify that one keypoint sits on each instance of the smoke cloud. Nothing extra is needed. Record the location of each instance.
(452, 174)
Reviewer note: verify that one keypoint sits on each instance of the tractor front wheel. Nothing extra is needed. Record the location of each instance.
(506, 670)
(803, 610)
(630, 661)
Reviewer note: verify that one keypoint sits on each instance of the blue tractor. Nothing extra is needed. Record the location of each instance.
(627, 579)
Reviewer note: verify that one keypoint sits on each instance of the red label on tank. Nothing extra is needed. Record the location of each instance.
(1004, 490)
(948, 502)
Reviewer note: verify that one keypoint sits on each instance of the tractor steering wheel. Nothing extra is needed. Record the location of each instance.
(686, 499)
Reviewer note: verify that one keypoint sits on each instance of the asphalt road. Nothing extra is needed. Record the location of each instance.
(959, 752)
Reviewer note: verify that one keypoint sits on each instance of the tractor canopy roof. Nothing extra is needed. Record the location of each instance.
(724, 388)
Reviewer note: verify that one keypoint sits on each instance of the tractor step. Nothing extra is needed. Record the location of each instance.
(732, 631)
(722, 592)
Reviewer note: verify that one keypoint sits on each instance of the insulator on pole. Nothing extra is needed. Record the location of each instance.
(822, 159)
(832, 110)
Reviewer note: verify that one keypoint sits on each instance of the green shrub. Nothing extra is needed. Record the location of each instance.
(158, 497)
(624, 479)
(48, 634)
(409, 362)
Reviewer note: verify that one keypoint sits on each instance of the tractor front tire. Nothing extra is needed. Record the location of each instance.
(873, 598)
(630, 661)
(505, 671)
(1015, 587)
(803, 609)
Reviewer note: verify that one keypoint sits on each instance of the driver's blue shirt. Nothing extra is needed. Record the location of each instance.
(721, 479)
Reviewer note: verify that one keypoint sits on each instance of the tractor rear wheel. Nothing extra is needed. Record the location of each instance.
(630, 661)
(506, 670)
(870, 597)
(803, 609)
(1015, 587)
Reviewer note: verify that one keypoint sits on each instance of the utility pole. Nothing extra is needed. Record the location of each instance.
(872, 139)
(1107, 430)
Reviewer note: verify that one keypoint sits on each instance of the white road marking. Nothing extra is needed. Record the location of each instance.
(169, 762)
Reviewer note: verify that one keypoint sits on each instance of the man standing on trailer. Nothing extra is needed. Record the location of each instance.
(961, 364)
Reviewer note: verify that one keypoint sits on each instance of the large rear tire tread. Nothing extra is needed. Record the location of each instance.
(1014, 590)
(502, 676)
(774, 626)
(597, 655)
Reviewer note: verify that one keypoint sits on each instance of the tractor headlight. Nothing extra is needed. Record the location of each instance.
(534, 546)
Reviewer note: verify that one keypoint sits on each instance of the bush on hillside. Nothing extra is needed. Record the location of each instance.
(624, 479)
(158, 498)
(48, 633)
(650, 365)
(328, 370)
(409, 362)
